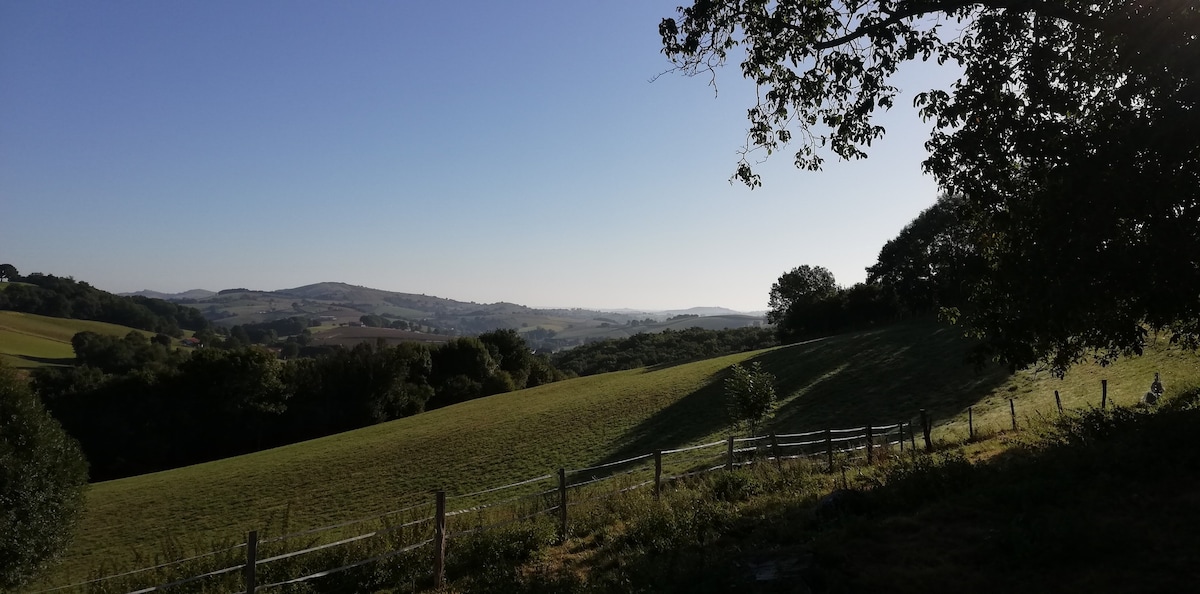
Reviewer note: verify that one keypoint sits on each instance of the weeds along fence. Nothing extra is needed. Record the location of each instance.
(414, 540)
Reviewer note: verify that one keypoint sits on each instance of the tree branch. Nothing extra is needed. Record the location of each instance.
(1040, 7)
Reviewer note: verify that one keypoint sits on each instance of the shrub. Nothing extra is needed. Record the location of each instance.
(42, 480)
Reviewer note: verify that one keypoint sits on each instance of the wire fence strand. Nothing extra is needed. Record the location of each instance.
(344, 567)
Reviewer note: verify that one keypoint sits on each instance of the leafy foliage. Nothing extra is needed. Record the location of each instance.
(799, 287)
(1070, 139)
(750, 393)
(49, 295)
(42, 480)
(668, 346)
(138, 407)
(923, 267)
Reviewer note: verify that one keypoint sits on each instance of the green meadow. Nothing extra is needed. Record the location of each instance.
(30, 340)
(879, 377)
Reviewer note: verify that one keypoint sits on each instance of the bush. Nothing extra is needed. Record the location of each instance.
(42, 480)
(924, 477)
(735, 486)
(491, 560)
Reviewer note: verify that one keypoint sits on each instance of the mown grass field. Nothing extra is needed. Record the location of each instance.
(881, 376)
(30, 340)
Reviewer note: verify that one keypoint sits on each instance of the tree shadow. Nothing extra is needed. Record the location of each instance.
(47, 360)
(879, 377)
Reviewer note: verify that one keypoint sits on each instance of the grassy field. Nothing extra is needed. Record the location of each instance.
(30, 340)
(878, 377)
(348, 336)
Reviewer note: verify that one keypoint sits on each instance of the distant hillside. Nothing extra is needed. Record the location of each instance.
(65, 297)
(337, 304)
(30, 340)
(186, 295)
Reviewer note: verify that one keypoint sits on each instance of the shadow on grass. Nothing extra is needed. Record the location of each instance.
(1046, 520)
(47, 360)
(881, 376)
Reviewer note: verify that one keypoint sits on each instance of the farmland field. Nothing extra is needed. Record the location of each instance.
(880, 376)
(348, 336)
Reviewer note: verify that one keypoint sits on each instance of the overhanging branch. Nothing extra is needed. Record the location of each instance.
(1044, 8)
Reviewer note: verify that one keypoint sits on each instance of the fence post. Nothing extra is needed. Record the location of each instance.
(249, 577)
(562, 504)
(870, 442)
(439, 538)
(900, 430)
(971, 422)
(775, 448)
(729, 461)
(926, 429)
(1103, 393)
(1058, 403)
(829, 447)
(1012, 410)
(657, 474)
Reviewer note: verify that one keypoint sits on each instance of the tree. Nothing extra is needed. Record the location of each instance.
(8, 272)
(42, 480)
(1070, 137)
(461, 369)
(373, 321)
(924, 266)
(508, 348)
(800, 286)
(750, 394)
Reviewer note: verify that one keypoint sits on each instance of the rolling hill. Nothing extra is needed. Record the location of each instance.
(339, 304)
(30, 340)
(880, 376)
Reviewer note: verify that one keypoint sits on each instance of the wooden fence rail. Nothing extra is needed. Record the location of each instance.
(775, 448)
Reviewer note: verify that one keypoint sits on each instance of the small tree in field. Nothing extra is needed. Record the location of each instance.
(751, 395)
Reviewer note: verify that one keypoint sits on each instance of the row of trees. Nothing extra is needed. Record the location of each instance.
(49, 295)
(668, 346)
(137, 406)
(806, 302)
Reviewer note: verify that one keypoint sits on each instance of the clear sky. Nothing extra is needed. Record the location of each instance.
(480, 151)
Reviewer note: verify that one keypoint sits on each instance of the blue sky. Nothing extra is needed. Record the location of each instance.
(479, 151)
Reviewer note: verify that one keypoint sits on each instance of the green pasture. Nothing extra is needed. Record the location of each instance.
(879, 377)
(30, 340)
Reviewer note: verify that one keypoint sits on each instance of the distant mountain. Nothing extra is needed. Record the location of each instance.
(192, 294)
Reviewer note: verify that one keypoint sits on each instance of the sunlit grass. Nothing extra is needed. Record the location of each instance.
(882, 376)
(30, 340)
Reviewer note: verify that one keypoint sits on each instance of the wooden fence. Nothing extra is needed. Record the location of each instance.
(557, 493)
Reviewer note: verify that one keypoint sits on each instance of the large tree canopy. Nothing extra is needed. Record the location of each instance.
(1072, 138)
(799, 287)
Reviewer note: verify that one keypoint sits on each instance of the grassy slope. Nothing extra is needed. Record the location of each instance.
(879, 377)
(1107, 501)
(30, 340)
